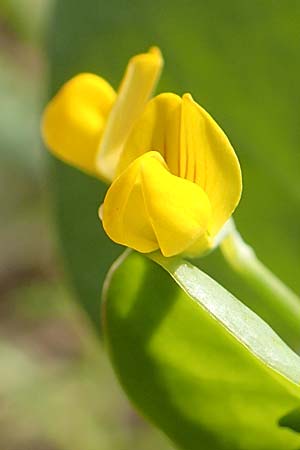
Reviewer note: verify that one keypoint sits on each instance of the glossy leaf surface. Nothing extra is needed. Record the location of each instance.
(197, 362)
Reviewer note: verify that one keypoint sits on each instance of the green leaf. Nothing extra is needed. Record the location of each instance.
(197, 362)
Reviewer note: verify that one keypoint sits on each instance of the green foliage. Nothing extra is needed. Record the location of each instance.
(240, 61)
(197, 362)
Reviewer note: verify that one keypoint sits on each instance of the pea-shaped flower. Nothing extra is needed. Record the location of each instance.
(87, 122)
(179, 181)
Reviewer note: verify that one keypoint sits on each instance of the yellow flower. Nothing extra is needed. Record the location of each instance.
(179, 181)
(87, 122)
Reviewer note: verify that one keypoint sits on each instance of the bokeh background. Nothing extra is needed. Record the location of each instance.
(241, 62)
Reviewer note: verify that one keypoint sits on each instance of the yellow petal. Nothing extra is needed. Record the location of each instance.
(124, 214)
(210, 161)
(157, 129)
(73, 120)
(194, 148)
(147, 208)
(140, 79)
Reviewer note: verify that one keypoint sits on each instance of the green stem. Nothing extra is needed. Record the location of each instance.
(281, 306)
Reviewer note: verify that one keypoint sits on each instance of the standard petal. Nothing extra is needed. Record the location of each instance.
(194, 148)
(141, 76)
(73, 120)
(209, 161)
(157, 129)
(147, 208)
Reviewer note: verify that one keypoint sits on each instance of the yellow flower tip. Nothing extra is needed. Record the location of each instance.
(188, 97)
(152, 58)
(73, 121)
(156, 51)
(141, 76)
(147, 208)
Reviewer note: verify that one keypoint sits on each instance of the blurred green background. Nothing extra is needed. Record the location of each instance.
(57, 391)
(240, 60)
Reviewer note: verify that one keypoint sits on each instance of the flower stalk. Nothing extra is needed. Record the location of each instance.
(279, 300)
